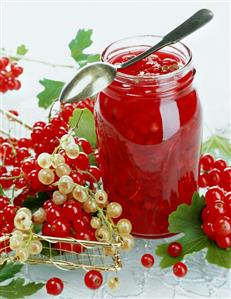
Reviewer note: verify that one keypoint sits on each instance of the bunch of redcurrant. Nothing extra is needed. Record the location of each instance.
(216, 216)
(9, 72)
(214, 173)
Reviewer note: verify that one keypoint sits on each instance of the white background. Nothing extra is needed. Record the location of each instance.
(47, 27)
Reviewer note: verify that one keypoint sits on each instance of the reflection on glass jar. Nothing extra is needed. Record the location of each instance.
(149, 133)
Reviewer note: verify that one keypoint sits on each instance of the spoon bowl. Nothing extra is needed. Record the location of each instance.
(88, 81)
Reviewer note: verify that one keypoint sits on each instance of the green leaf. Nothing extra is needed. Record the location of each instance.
(83, 122)
(218, 256)
(34, 203)
(21, 50)
(186, 219)
(8, 270)
(50, 93)
(77, 46)
(218, 146)
(17, 289)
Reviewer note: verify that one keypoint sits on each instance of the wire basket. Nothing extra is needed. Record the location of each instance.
(102, 256)
(93, 256)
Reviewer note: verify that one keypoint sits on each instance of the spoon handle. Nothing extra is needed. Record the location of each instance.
(196, 21)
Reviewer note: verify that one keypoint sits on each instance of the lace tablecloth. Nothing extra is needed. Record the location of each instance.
(202, 281)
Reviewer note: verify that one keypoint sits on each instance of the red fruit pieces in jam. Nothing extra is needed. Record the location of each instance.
(159, 63)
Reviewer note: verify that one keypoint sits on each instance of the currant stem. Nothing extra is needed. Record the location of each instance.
(21, 57)
(15, 118)
(12, 177)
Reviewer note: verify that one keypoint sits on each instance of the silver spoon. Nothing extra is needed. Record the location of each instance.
(94, 77)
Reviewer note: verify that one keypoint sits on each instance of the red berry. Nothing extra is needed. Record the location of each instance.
(8, 227)
(78, 178)
(180, 269)
(22, 153)
(34, 181)
(79, 225)
(218, 208)
(214, 194)
(214, 177)
(223, 242)
(53, 213)
(203, 180)
(15, 171)
(71, 210)
(206, 162)
(147, 260)
(208, 229)
(226, 179)
(4, 61)
(37, 134)
(2, 170)
(47, 229)
(9, 213)
(17, 84)
(60, 228)
(220, 164)
(16, 70)
(40, 124)
(54, 286)
(86, 146)
(175, 249)
(95, 172)
(227, 197)
(93, 279)
(58, 121)
(5, 181)
(27, 166)
(14, 112)
(206, 215)
(47, 204)
(21, 183)
(24, 142)
(4, 201)
(5, 149)
(82, 162)
(222, 226)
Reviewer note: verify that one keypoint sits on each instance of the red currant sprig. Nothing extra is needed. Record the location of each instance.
(214, 173)
(216, 216)
(9, 72)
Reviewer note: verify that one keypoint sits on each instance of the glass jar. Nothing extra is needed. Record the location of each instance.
(149, 136)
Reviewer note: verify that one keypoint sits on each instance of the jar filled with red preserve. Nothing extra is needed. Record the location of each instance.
(149, 133)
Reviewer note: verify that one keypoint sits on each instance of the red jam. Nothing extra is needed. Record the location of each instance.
(149, 133)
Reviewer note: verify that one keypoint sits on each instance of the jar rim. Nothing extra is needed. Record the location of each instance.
(177, 72)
